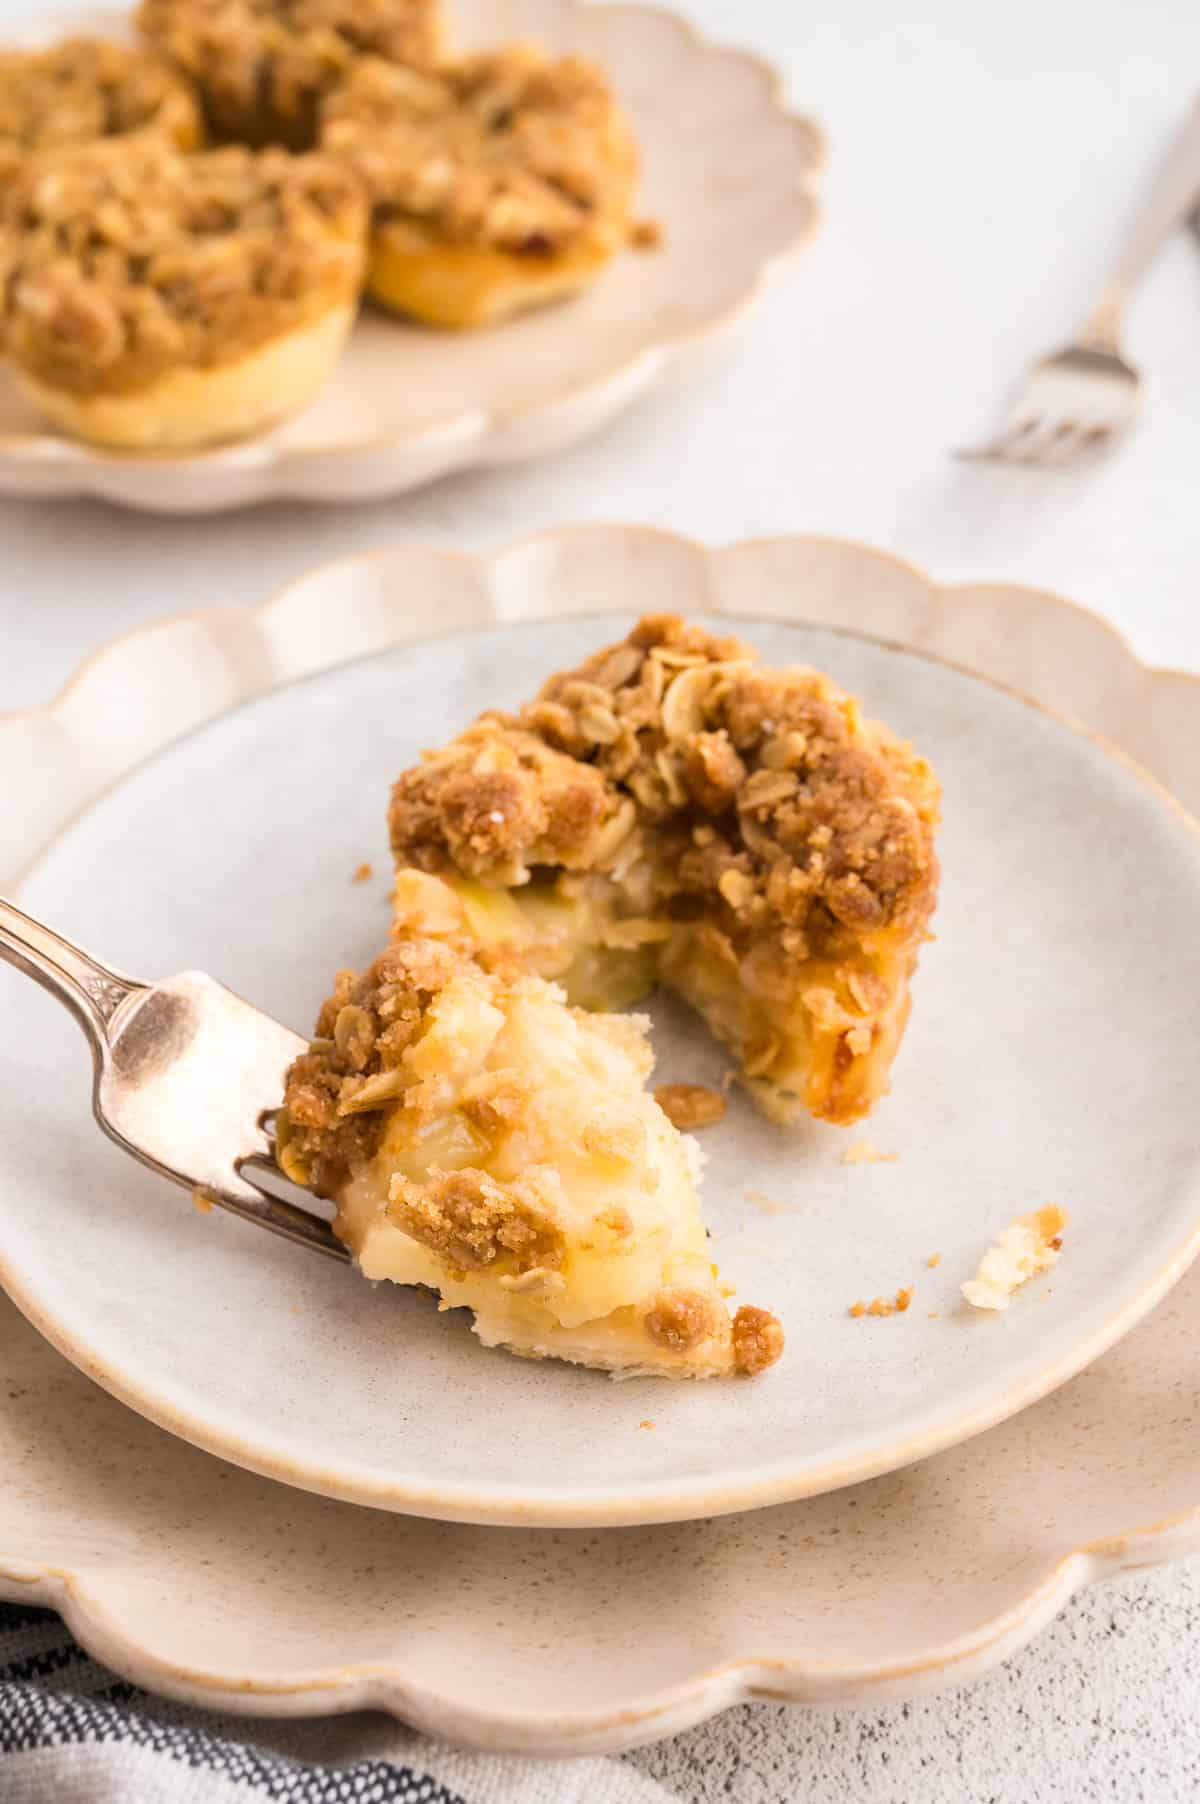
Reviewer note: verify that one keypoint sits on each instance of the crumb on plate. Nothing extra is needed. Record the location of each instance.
(933, 1259)
(690, 1106)
(758, 1199)
(646, 234)
(364, 872)
(1029, 1245)
(864, 1153)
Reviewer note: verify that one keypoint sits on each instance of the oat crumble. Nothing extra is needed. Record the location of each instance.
(262, 66)
(763, 849)
(120, 263)
(509, 149)
(85, 89)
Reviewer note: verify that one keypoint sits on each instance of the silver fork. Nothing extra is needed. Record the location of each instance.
(187, 1075)
(1088, 392)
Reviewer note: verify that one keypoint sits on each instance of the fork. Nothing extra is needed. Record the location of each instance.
(1087, 392)
(187, 1075)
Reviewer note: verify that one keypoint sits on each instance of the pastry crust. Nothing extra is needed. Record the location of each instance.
(486, 1141)
(499, 182)
(263, 66)
(86, 89)
(674, 811)
(193, 407)
(159, 300)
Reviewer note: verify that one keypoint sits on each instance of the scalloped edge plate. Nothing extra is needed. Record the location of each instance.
(298, 1604)
(759, 213)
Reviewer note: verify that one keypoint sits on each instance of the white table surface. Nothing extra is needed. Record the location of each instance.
(982, 160)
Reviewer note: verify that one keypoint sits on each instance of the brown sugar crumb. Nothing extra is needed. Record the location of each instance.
(646, 234)
(884, 1306)
(470, 1220)
(933, 1260)
(689, 1106)
(680, 1319)
(648, 1423)
(363, 872)
(757, 1340)
(863, 1153)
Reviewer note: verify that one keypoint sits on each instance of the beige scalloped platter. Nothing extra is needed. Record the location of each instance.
(1052, 1057)
(219, 1587)
(725, 169)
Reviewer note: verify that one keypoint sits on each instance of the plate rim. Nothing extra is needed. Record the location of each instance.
(503, 1505)
(473, 436)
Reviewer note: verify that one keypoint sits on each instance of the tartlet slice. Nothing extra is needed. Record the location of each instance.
(262, 66)
(486, 1141)
(86, 89)
(499, 181)
(673, 811)
(157, 301)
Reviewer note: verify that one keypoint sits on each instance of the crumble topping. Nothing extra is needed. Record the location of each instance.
(337, 1092)
(263, 65)
(1029, 1245)
(508, 149)
(680, 1319)
(119, 263)
(690, 1106)
(472, 1221)
(756, 801)
(87, 88)
(757, 1340)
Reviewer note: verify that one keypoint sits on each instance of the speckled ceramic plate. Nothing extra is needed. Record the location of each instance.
(725, 168)
(1052, 1056)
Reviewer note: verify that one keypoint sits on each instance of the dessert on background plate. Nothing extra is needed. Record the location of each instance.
(262, 66)
(499, 181)
(673, 811)
(486, 1141)
(155, 301)
(88, 88)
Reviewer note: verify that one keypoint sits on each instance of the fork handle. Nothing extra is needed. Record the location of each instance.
(1173, 193)
(89, 989)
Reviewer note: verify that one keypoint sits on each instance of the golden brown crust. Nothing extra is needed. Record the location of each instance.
(509, 149)
(690, 1106)
(86, 89)
(122, 263)
(757, 1340)
(262, 66)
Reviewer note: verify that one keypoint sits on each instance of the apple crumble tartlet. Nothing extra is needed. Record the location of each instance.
(262, 66)
(675, 812)
(153, 300)
(84, 89)
(499, 181)
(484, 1140)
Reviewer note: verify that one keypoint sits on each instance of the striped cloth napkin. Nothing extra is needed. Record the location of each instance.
(73, 1733)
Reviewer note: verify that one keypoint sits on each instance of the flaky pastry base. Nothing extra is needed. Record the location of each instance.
(189, 408)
